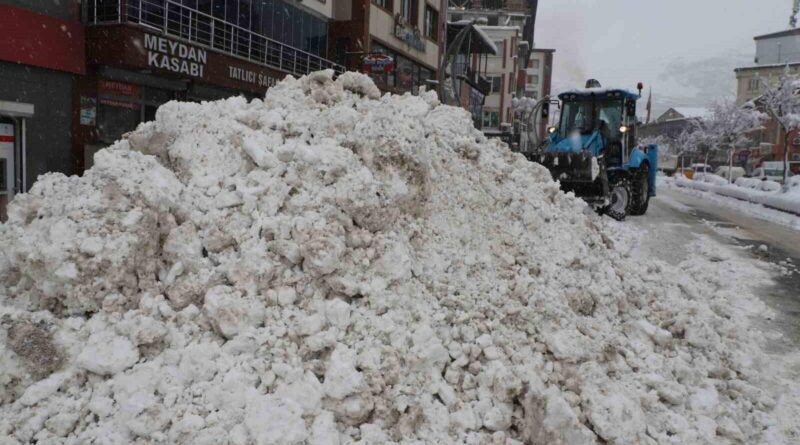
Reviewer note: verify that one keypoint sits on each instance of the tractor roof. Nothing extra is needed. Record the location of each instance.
(585, 93)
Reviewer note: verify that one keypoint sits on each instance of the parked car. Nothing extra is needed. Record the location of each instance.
(770, 171)
(735, 172)
(696, 168)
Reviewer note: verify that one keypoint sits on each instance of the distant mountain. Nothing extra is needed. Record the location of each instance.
(688, 82)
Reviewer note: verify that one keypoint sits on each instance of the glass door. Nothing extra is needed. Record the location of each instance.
(6, 166)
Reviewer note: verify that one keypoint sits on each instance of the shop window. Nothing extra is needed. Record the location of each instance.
(115, 118)
(385, 4)
(424, 75)
(491, 119)
(404, 70)
(431, 23)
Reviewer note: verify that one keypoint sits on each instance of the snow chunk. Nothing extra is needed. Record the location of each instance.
(107, 354)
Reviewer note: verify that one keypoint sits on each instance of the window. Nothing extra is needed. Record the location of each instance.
(409, 10)
(533, 79)
(496, 82)
(753, 85)
(431, 23)
(532, 94)
(385, 4)
(511, 82)
(500, 48)
(535, 63)
(491, 119)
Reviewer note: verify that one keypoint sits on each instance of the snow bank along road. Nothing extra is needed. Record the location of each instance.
(330, 266)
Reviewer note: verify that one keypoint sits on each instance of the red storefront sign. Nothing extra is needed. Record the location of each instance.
(377, 63)
(39, 40)
(117, 88)
(133, 48)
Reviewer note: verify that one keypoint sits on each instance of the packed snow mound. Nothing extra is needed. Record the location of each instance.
(331, 266)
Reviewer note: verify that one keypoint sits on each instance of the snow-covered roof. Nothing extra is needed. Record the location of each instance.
(597, 91)
(766, 66)
(689, 112)
(486, 39)
(478, 33)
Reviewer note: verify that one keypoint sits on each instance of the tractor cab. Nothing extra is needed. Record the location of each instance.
(598, 121)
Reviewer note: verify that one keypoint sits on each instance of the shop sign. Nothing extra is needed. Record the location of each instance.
(117, 88)
(175, 56)
(250, 76)
(120, 104)
(408, 33)
(377, 63)
(88, 113)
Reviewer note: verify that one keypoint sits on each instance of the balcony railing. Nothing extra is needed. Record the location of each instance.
(173, 19)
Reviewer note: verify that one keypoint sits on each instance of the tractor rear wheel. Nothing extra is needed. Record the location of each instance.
(621, 196)
(641, 191)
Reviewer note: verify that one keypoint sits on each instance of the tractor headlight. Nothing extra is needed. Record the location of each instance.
(551, 130)
(623, 129)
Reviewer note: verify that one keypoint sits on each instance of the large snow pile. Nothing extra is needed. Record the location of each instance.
(328, 266)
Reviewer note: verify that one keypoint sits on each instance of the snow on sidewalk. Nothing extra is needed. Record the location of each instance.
(767, 193)
(330, 266)
(730, 199)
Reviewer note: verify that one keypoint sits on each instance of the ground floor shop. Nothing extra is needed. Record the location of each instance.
(132, 71)
(35, 126)
(404, 76)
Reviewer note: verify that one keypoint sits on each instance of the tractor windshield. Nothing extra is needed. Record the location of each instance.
(588, 115)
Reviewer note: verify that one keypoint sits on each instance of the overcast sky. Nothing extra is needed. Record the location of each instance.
(685, 49)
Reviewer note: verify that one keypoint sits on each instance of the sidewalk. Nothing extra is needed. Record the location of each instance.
(746, 189)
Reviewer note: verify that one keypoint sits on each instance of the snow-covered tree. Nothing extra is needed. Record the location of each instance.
(727, 128)
(782, 103)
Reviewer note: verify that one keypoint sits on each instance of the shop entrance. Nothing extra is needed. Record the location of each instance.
(7, 138)
(13, 123)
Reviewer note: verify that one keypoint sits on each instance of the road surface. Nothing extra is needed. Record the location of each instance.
(676, 218)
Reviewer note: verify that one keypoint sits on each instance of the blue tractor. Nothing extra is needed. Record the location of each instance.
(593, 153)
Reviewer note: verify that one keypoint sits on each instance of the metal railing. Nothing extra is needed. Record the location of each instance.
(173, 19)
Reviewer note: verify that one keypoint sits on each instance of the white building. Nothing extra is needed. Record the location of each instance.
(501, 73)
(774, 52)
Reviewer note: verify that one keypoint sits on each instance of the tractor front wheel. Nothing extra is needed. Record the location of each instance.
(641, 191)
(620, 199)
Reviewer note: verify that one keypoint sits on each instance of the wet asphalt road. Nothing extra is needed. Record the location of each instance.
(673, 220)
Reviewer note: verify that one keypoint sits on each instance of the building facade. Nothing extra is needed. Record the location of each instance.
(76, 75)
(519, 69)
(407, 32)
(775, 54)
(41, 58)
(501, 71)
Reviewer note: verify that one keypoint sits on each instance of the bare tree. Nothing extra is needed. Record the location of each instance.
(782, 103)
(727, 128)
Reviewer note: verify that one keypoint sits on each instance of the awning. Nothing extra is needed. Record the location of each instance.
(480, 43)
